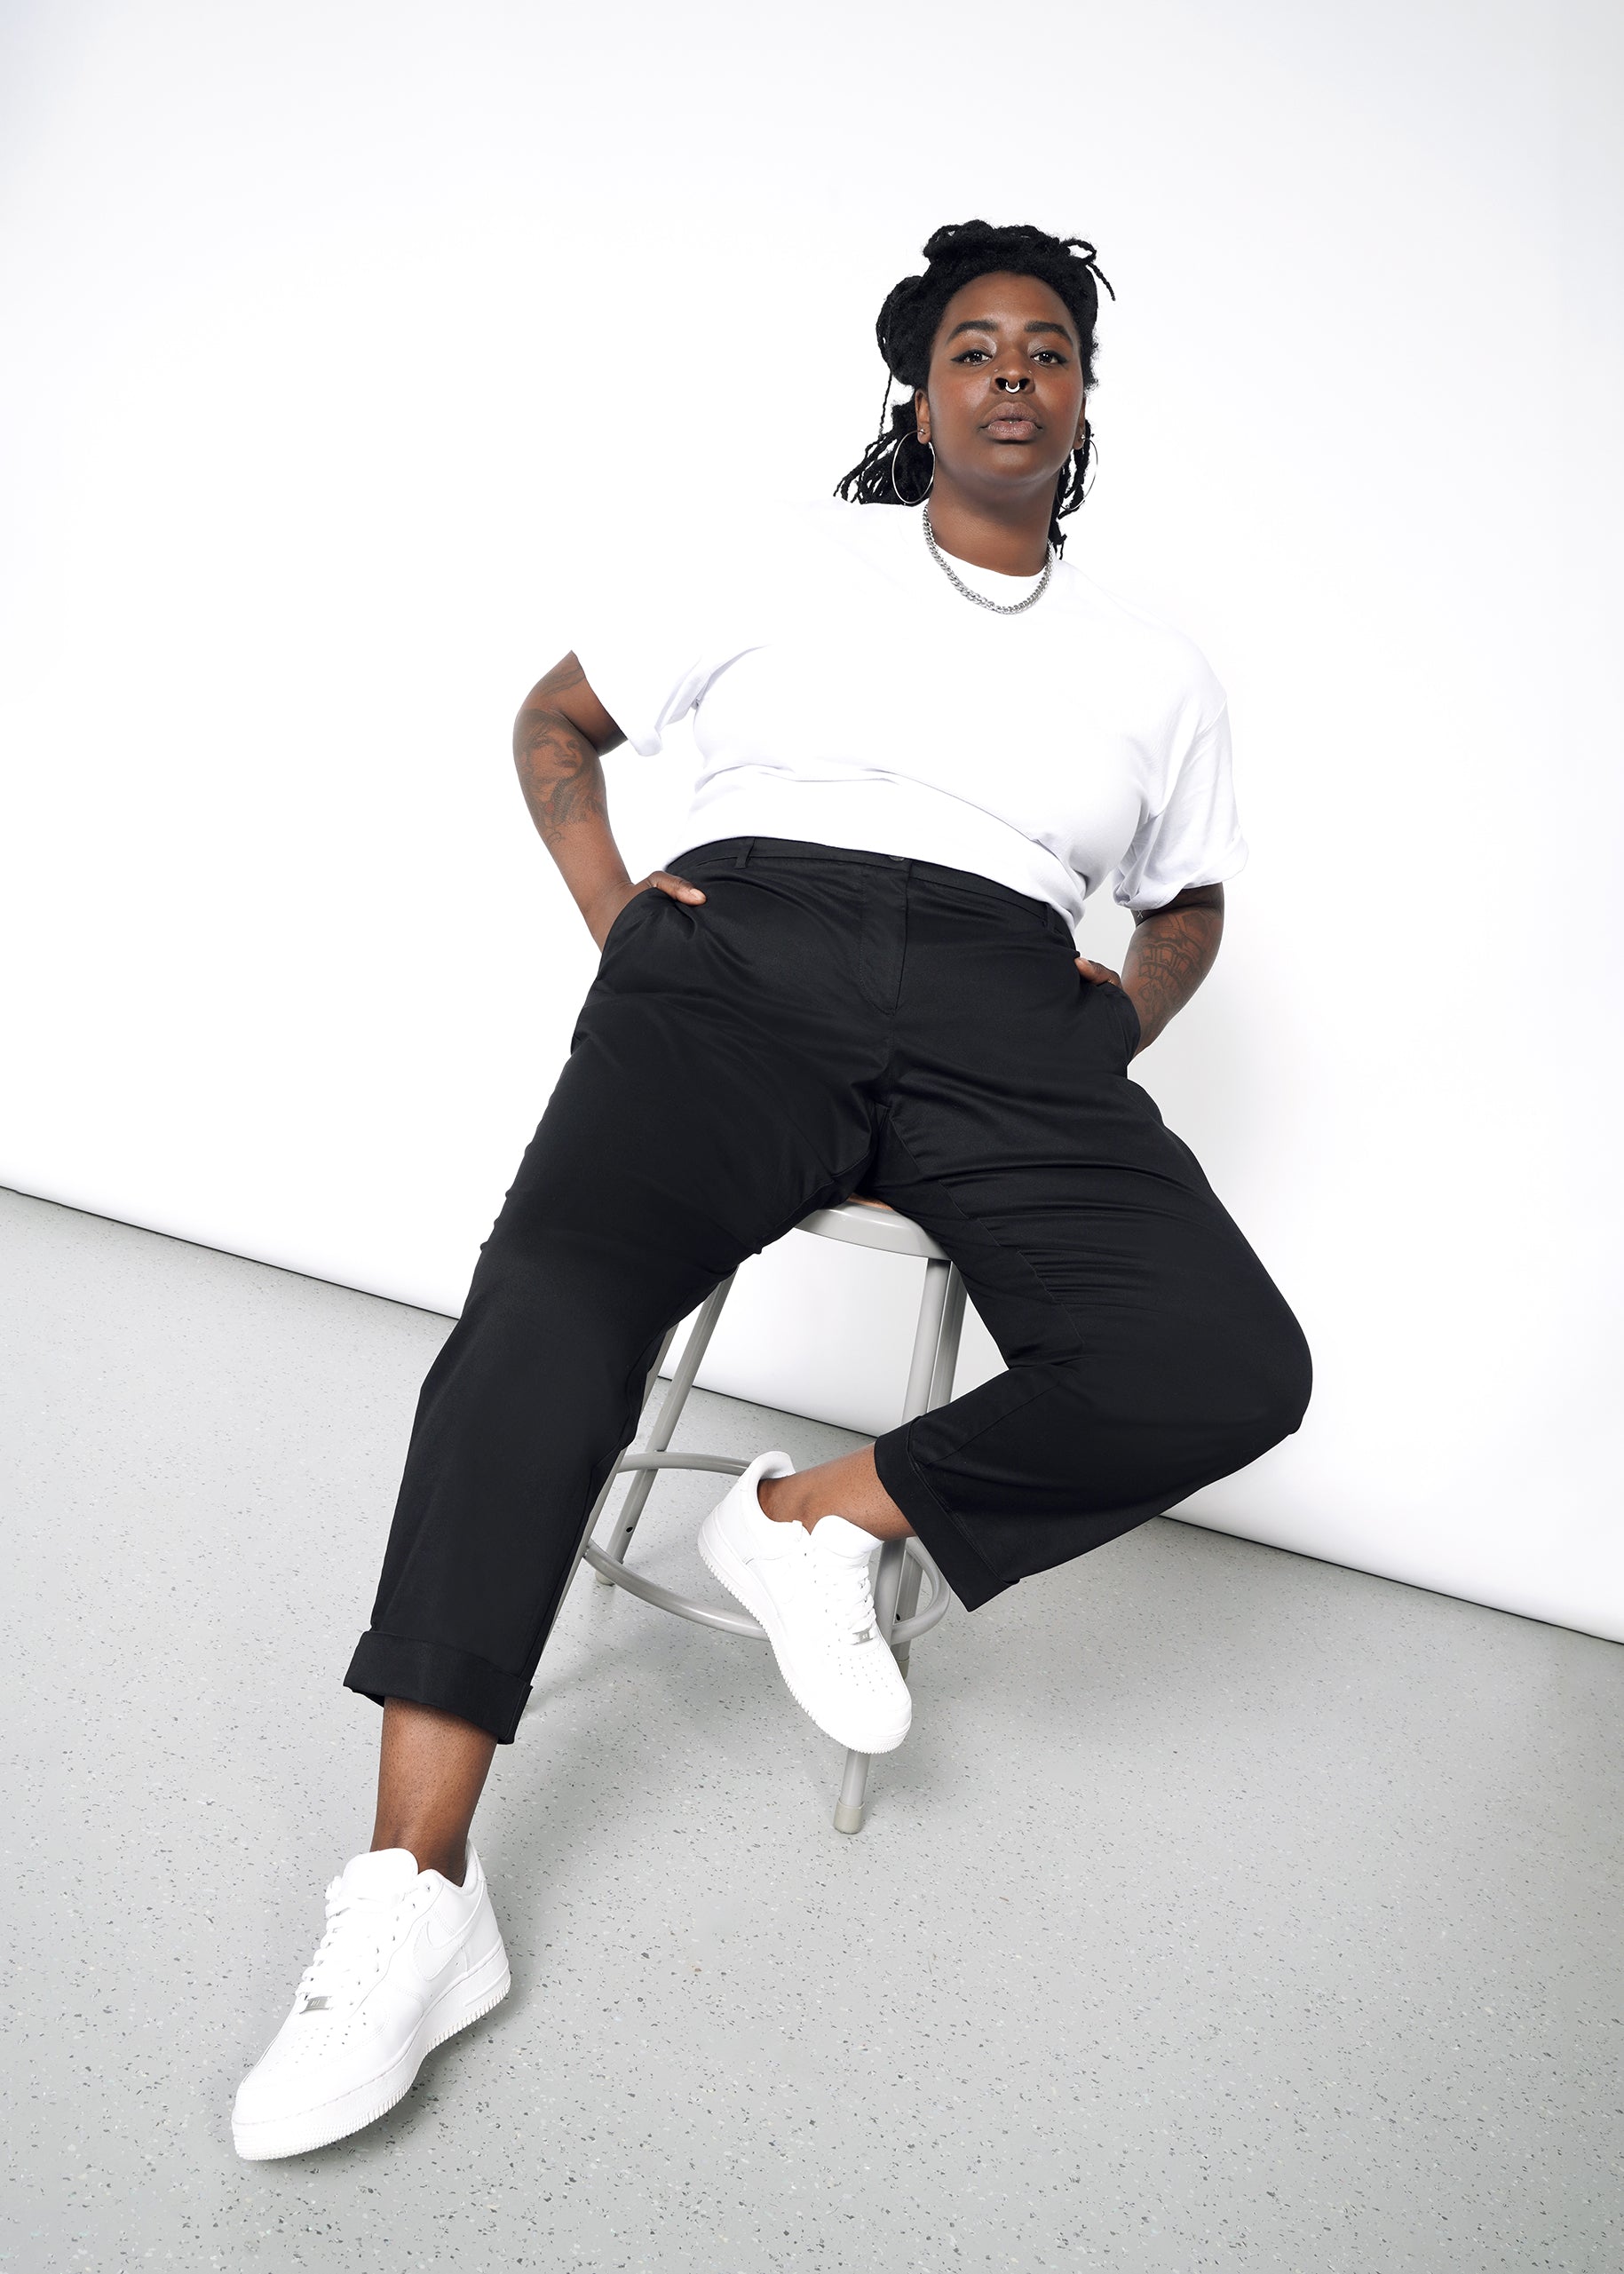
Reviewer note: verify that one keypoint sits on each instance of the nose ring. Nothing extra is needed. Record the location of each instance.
(1012, 386)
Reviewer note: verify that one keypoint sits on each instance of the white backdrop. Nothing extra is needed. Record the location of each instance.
(346, 338)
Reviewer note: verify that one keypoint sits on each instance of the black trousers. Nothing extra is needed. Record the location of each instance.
(829, 1021)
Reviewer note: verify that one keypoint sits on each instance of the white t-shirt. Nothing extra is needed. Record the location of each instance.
(844, 693)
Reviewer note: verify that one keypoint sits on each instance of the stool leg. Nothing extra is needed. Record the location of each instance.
(941, 1390)
(849, 1808)
(928, 1337)
(644, 1477)
(608, 1483)
(670, 1413)
(947, 1348)
(907, 1603)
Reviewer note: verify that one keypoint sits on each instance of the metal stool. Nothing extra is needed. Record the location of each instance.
(866, 1223)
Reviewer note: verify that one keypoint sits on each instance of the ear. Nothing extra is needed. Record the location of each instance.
(922, 413)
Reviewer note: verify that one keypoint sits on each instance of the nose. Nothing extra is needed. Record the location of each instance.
(1011, 383)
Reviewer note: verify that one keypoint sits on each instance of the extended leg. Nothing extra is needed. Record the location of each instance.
(692, 1124)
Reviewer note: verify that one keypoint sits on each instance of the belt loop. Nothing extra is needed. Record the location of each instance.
(749, 843)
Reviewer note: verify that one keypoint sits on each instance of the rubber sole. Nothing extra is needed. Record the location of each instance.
(460, 2005)
(725, 1565)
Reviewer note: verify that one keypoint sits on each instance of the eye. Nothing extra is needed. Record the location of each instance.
(978, 354)
(1054, 355)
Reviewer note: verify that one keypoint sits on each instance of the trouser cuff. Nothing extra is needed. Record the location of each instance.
(433, 1674)
(972, 1581)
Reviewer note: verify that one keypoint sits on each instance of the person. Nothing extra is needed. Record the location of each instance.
(925, 738)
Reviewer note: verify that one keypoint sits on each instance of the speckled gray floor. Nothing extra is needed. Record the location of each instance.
(1223, 1910)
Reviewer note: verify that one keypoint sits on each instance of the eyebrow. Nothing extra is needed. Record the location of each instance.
(985, 323)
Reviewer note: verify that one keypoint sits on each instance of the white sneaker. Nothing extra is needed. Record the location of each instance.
(407, 1958)
(810, 1591)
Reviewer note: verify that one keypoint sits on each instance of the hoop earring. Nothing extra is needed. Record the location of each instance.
(1093, 455)
(928, 487)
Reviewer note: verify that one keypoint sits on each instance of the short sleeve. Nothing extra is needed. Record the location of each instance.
(1195, 836)
(643, 654)
(652, 630)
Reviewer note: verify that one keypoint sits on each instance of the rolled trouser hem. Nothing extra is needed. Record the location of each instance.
(971, 1579)
(434, 1674)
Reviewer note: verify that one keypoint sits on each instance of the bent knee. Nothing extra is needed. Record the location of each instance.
(1282, 1381)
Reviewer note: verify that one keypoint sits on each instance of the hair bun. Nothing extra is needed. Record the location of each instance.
(959, 237)
(893, 318)
(905, 327)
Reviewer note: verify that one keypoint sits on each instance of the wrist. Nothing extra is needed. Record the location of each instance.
(603, 903)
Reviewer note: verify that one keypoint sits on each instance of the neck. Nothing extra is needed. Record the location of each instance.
(1010, 536)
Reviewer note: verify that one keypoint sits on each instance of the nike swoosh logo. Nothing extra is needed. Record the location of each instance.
(431, 1953)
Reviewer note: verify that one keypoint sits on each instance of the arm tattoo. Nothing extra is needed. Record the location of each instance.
(558, 769)
(1170, 953)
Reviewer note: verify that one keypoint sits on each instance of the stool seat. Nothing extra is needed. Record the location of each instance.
(865, 1223)
(872, 1224)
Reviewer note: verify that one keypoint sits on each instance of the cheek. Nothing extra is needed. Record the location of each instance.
(955, 409)
(1062, 392)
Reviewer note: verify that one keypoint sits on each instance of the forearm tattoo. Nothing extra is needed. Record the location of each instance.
(1170, 953)
(558, 769)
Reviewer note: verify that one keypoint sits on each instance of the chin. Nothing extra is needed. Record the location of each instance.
(1008, 466)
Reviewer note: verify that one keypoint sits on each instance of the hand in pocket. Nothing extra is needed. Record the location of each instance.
(604, 917)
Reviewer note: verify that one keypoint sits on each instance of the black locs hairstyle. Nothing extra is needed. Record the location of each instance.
(894, 470)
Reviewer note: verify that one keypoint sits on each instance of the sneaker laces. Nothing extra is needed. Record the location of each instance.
(851, 1594)
(353, 1949)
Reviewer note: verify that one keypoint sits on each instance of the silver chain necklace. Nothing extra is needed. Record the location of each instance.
(998, 607)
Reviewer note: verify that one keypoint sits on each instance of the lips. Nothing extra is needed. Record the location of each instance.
(1011, 427)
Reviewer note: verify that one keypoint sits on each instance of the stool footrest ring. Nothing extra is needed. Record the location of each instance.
(664, 1599)
(723, 1463)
